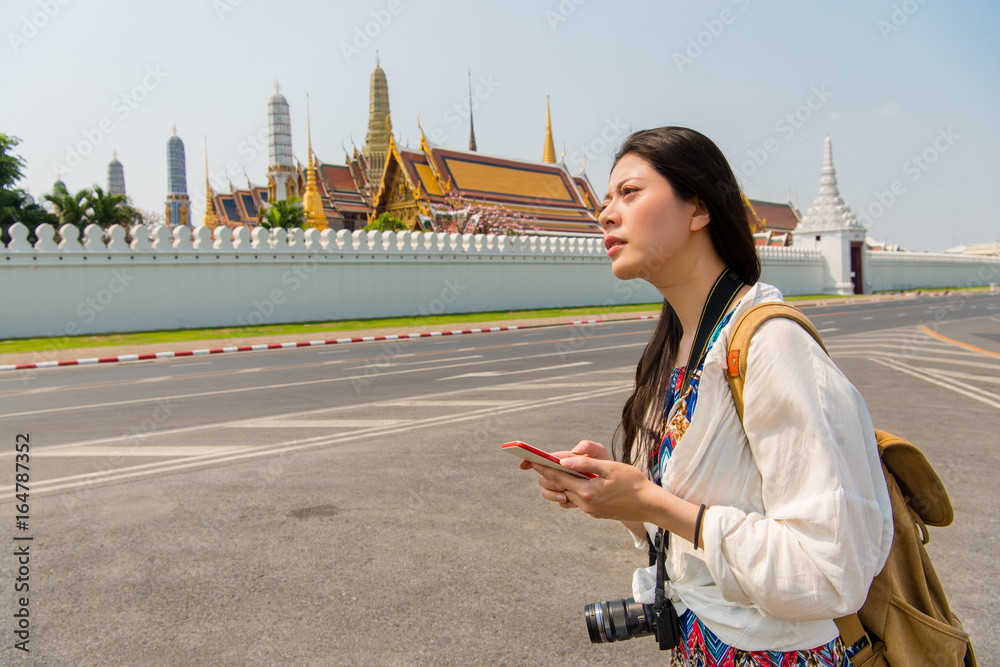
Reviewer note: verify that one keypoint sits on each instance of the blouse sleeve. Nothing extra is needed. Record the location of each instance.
(827, 524)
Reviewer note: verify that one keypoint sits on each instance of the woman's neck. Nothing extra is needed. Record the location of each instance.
(688, 294)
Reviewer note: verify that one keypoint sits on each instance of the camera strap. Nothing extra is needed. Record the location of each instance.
(720, 300)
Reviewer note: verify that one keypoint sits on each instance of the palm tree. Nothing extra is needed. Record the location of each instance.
(71, 209)
(107, 209)
(287, 213)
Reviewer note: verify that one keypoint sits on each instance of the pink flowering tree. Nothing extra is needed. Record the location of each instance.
(464, 216)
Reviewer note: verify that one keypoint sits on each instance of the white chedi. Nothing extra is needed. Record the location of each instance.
(829, 211)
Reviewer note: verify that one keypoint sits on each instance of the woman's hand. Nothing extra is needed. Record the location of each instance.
(552, 490)
(614, 494)
(620, 491)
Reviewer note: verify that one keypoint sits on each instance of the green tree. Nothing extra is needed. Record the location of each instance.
(11, 165)
(72, 209)
(15, 204)
(107, 209)
(287, 213)
(386, 223)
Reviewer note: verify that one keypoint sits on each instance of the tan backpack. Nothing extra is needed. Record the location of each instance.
(906, 616)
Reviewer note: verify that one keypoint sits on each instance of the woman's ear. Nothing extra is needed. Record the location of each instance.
(699, 217)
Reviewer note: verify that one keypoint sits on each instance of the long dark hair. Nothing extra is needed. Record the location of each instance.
(695, 167)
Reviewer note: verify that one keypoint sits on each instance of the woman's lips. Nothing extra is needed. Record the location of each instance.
(612, 244)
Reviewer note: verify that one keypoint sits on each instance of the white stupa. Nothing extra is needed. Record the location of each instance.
(829, 211)
(832, 228)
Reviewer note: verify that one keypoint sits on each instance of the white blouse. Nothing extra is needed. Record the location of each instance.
(799, 520)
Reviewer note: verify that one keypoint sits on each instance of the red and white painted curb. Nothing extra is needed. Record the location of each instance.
(287, 346)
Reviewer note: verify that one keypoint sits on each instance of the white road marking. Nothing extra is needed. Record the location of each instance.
(389, 363)
(968, 376)
(491, 374)
(993, 400)
(828, 330)
(924, 359)
(272, 387)
(514, 387)
(318, 423)
(83, 480)
(134, 451)
(424, 403)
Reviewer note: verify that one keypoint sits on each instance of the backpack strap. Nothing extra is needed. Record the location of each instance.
(737, 353)
(739, 342)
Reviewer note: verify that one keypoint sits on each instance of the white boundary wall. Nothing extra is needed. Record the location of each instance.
(188, 279)
(916, 270)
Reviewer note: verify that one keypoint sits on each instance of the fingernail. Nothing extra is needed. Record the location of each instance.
(556, 487)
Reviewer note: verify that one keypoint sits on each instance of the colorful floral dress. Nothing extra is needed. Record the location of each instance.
(699, 647)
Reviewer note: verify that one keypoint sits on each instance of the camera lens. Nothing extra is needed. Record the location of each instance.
(618, 620)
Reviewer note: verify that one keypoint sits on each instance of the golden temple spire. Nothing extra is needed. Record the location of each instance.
(210, 221)
(549, 154)
(311, 201)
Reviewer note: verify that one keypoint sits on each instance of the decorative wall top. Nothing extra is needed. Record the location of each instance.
(183, 239)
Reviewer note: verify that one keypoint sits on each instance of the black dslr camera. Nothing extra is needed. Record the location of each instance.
(618, 620)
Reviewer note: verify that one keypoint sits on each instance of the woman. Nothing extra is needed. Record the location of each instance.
(790, 506)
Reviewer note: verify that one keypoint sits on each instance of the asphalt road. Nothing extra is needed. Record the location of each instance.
(350, 505)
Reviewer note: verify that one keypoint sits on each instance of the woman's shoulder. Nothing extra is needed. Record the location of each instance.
(778, 335)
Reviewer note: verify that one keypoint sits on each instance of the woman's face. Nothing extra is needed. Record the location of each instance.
(646, 225)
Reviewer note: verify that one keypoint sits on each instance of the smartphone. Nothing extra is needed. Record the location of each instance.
(535, 455)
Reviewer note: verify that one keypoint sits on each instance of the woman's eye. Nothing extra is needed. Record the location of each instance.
(627, 191)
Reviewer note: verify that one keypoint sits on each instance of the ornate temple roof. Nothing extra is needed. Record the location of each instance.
(777, 216)
(335, 184)
(553, 199)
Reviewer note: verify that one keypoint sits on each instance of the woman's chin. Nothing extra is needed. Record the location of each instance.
(622, 271)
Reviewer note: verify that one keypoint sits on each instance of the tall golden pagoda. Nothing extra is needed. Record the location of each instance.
(311, 201)
(549, 154)
(376, 146)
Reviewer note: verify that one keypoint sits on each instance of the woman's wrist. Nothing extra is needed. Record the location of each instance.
(676, 515)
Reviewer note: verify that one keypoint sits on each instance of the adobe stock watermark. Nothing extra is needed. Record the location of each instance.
(899, 16)
(702, 41)
(128, 444)
(458, 113)
(913, 168)
(33, 24)
(122, 107)
(365, 34)
(374, 367)
(248, 149)
(754, 158)
(601, 145)
(293, 278)
(89, 309)
(224, 7)
(561, 13)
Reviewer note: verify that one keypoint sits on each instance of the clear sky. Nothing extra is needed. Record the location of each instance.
(908, 90)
